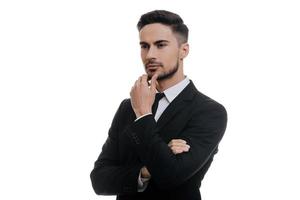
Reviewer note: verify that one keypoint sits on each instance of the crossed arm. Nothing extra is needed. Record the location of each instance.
(203, 133)
(177, 146)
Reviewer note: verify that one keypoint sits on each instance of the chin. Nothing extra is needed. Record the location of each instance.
(152, 74)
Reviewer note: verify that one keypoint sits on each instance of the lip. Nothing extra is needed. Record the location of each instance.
(152, 69)
(152, 66)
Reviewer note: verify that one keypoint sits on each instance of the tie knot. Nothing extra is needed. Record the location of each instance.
(159, 96)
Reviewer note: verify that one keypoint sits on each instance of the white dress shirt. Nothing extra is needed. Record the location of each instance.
(170, 94)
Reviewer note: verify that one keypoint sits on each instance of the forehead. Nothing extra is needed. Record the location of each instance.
(154, 32)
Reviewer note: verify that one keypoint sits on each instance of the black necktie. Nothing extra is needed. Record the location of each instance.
(158, 97)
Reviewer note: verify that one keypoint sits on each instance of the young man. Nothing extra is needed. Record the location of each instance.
(162, 140)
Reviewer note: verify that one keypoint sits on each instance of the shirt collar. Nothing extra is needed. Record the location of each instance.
(172, 92)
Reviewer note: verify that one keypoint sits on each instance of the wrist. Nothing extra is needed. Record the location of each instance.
(141, 113)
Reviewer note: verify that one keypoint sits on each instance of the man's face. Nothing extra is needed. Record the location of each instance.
(159, 50)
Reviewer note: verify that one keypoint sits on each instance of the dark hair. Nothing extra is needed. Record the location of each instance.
(170, 19)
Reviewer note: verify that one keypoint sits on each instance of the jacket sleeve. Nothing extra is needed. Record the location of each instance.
(109, 177)
(203, 133)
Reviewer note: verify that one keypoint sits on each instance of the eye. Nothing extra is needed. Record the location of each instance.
(161, 45)
(144, 46)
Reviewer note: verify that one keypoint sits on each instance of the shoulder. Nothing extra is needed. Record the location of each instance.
(208, 115)
(126, 103)
(126, 109)
(206, 104)
(203, 100)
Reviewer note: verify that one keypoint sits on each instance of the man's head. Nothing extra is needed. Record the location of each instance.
(163, 40)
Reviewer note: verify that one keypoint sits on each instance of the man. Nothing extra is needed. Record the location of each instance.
(162, 140)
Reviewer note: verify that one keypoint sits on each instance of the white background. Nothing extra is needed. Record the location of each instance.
(67, 65)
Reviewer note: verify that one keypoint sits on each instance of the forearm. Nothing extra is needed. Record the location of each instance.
(113, 180)
(154, 153)
(167, 169)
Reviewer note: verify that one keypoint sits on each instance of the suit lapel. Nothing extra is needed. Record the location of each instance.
(179, 103)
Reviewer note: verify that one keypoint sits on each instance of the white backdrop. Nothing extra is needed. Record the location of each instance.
(66, 66)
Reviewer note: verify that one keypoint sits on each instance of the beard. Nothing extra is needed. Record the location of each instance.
(168, 74)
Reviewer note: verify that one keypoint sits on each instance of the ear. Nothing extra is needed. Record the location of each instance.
(184, 50)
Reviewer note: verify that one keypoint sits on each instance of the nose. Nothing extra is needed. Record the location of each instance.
(151, 54)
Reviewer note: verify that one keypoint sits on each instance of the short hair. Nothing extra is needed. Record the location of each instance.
(168, 18)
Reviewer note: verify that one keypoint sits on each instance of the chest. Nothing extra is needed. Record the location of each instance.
(173, 129)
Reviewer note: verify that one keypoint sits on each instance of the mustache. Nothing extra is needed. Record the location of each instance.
(153, 63)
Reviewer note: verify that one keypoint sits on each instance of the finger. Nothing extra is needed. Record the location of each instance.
(144, 80)
(177, 144)
(176, 152)
(180, 145)
(137, 82)
(140, 78)
(180, 141)
(177, 141)
(179, 149)
(153, 82)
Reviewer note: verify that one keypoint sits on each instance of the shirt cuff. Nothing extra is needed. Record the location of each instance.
(142, 116)
(142, 182)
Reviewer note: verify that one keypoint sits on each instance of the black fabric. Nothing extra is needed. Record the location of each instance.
(130, 145)
(158, 97)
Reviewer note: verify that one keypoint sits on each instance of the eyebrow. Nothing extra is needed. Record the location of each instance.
(156, 42)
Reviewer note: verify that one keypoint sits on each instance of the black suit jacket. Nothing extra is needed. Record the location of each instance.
(191, 116)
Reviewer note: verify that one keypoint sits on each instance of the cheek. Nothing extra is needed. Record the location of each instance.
(143, 56)
(172, 58)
